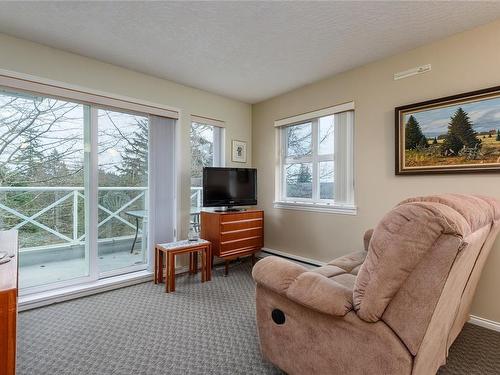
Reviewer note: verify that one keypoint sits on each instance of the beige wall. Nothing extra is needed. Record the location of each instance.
(461, 63)
(30, 58)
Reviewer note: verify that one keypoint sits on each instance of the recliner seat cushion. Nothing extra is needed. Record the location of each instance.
(350, 261)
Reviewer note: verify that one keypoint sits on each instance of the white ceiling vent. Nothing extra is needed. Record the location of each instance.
(414, 71)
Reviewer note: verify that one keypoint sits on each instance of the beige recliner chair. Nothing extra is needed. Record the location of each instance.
(395, 308)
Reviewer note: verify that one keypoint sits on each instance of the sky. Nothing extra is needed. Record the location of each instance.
(484, 114)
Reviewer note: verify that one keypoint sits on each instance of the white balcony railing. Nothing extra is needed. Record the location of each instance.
(196, 201)
(75, 196)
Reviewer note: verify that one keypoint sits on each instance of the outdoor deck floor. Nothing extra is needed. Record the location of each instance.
(53, 270)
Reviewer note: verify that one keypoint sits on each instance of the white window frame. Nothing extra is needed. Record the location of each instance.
(219, 137)
(219, 160)
(343, 158)
(219, 141)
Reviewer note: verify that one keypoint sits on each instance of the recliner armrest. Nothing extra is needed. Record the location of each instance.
(309, 289)
(321, 294)
(276, 273)
(367, 238)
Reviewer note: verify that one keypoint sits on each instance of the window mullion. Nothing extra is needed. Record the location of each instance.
(216, 160)
(327, 157)
(284, 146)
(302, 160)
(315, 164)
(92, 189)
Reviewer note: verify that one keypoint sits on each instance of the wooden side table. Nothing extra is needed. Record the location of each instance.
(171, 249)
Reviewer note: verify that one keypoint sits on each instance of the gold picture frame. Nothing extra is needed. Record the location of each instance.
(454, 134)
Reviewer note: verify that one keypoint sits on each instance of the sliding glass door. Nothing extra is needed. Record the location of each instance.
(74, 183)
(42, 192)
(123, 190)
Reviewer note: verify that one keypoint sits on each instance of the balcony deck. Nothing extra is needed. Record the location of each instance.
(52, 229)
(68, 262)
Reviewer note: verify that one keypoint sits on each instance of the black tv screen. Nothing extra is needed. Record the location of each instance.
(229, 187)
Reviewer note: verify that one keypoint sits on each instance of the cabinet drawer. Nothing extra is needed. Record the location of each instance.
(242, 224)
(241, 234)
(245, 243)
(241, 216)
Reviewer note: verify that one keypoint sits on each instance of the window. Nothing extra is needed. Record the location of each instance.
(74, 181)
(206, 151)
(315, 169)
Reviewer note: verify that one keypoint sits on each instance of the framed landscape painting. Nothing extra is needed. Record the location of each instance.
(456, 134)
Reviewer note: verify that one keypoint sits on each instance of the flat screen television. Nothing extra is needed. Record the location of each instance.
(229, 187)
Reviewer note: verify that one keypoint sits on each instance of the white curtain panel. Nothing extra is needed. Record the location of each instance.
(344, 157)
(162, 214)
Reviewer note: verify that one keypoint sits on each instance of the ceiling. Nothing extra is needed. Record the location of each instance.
(249, 51)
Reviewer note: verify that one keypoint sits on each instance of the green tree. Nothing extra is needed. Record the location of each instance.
(134, 166)
(202, 150)
(30, 159)
(301, 182)
(435, 141)
(498, 135)
(55, 168)
(460, 133)
(413, 135)
(304, 175)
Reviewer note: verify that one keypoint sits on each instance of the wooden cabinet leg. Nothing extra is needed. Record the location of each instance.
(191, 263)
(209, 263)
(203, 265)
(171, 272)
(160, 266)
(156, 266)
(195, 262)
(167, 270)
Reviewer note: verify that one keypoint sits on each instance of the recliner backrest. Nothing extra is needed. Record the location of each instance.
(412, 253)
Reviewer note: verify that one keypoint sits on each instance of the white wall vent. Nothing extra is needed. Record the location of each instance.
(414, 71)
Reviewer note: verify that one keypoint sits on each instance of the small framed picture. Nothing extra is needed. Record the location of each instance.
(239, 153)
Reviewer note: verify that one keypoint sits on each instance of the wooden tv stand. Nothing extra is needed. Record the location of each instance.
(233, 234)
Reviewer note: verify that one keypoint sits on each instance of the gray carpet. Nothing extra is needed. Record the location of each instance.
(200, 329)
(476, 351)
